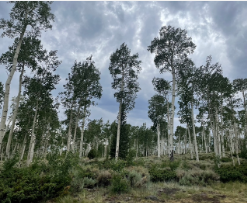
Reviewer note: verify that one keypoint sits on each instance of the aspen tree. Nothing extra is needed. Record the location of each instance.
(26, 17)
(171, 49)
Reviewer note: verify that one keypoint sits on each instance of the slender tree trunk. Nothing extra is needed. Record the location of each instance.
(245, 126)
(7, 87)
(23, 147)
(191, 154)
(236, 141)
(185, 143)
(205, 140)
(179, 145)
(172, 116)
(218, 134)
(119, 121)
(76, 124)
(33, 138)
(158, 139)
(194, 133)
(209, 142)
(14, 115)
(82, 131)
(69, 132)
(215, 137)
(137, 147)
(13, 152)
(231, 148)
(162, 147)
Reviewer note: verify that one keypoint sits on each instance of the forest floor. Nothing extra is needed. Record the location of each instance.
(165, 191)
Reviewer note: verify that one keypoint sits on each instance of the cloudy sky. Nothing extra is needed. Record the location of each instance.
(99, 28)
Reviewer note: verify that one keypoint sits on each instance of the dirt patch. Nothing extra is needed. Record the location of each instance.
(203, 197)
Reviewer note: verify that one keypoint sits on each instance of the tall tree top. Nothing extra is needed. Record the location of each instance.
(37, 14)
(171, 48)
(124, 68)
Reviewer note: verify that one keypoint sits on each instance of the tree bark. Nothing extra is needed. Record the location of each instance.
(23, 147)
(158, 139)
(76, 124)
(14, 116)
(194, 133)
(33, 138)
(191, 154)
(119, 121)
(82, 131)
(69, 132)
(7, 86)
(172, 116)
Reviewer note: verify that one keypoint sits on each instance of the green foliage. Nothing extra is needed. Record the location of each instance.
(112, 164)
(217, 160)
(137, 176)
(134, 178)
(243, 153)
(35, 183)
(225, 159)
(118, 165)
(196, 177)
(89, 182)
(92, 154)
(9, 164)
(130, 157)
(161, 174)
(119, 184)
(233, 173)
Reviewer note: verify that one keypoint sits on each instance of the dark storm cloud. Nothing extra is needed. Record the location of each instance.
(229, 18)
(99, 28)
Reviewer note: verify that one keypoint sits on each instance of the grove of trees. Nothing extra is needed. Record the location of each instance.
(209, 104)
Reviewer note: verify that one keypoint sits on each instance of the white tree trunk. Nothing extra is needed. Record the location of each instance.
(158, 139)
(204, 137)
(33, 138)
(119, 121)
(76, 124)
(236, 141)
(215, 137)
(194, 133)
(190, 145)
(172, 115)
(14, 115)
(82, 131)
(7, 88)
(218, 134)
(69, 132)
(23, 147)
(162, 143)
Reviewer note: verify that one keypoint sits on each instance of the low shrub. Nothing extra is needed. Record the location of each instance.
(37, 182)
(92, 154)
(243, 153)
(225, 159)
(104, 178)
(196, 177)
(89, 182)
(137, 176)
(139, 162)
(112, 164)
(233, 173)
(161, 174)
(119, 184)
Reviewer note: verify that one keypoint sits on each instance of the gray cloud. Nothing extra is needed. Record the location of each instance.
(99, 28)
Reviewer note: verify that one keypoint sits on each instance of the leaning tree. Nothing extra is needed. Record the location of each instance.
(26, 17)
